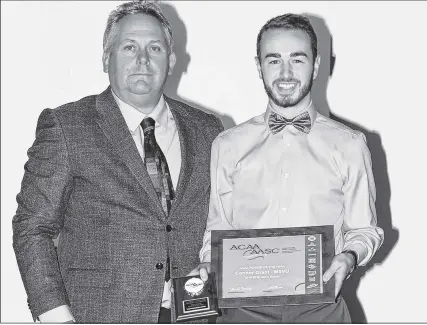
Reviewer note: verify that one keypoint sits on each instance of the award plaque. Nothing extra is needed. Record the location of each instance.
(194, 298)
(273, 267)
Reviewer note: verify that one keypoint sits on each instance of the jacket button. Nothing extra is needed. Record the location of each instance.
(159, 266)
(168, 228)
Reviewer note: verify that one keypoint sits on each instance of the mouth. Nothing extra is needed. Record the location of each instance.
(141, 74)
(286, 87)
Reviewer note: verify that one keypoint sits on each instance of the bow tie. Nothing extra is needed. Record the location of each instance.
(301, 122)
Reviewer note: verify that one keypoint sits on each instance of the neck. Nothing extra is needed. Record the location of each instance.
(292, 111)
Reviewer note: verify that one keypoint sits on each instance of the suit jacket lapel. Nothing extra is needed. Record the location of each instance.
(187, 138)
(116, 130)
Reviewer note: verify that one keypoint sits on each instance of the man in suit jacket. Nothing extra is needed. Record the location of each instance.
(87, 179)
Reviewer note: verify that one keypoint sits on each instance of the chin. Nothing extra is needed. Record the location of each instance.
(140, 91)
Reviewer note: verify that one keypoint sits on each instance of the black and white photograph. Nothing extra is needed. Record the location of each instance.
(213, 162)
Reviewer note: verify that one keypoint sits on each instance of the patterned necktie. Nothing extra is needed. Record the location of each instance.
(157, 168)
(278, 122)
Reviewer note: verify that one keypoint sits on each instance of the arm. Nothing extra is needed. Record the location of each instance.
(220, 208)
(41, 203)
(361, 233)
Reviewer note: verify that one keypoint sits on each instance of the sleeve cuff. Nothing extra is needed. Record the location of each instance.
(360, 250)
(59, 314)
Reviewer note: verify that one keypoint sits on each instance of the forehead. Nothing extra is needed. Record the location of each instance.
(285, 41)
(140, 25)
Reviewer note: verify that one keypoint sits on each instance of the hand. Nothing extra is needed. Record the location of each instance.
(203, 269)
(342, 265)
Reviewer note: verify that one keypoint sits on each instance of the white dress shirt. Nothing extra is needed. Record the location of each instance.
(294, 179)
(167, 138)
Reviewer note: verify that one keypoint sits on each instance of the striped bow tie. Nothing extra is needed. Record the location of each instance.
(301, 122)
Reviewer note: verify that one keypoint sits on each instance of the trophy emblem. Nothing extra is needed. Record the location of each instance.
(194, 286)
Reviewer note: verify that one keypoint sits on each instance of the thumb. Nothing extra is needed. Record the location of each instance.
(329, 273)
(194, 271)
(205, 269)
(203, 274)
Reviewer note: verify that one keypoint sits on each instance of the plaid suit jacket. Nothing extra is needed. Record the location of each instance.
(86, 181)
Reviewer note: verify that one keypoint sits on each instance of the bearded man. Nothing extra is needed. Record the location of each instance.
(293, 167)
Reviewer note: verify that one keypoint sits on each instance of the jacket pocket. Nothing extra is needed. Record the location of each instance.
(87, 277)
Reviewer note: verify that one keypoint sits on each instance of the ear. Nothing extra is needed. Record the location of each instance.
(172, 61)
(316, 67)
(105, 61)
(258, 66)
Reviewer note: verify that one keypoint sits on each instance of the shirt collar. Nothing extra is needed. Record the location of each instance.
(160, 113)
(311, 109)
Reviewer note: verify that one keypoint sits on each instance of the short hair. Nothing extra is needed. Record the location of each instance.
(289, 22)
(150, 8)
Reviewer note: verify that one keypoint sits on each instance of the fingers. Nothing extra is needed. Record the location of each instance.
(203, 274)
(194, 271)
(203, 270)
(329, 273)
(340, 276)
(340, 267)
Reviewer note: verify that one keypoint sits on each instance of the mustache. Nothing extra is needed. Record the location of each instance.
(285, 80)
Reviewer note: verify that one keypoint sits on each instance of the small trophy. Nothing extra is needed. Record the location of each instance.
(194, 298)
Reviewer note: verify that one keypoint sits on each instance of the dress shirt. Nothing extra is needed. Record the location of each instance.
(294, 179)
(167, 138)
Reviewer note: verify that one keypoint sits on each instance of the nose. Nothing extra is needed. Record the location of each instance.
(286, 70)
(142, 58)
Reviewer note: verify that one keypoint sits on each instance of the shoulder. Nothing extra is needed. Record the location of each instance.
(251, 128)
(196, 115)
(76, 109)
(72, 113)
(336, 130)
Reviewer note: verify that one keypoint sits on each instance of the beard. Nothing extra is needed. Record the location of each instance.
(288, 101)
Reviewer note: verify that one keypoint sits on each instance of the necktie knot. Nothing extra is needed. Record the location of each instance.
(148, 125)
(301, 122)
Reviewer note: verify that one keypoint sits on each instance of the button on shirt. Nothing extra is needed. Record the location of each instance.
(294, 179)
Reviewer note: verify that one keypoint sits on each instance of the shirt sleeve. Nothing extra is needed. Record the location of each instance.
(59, 314)
(220, 205)
(361, 233)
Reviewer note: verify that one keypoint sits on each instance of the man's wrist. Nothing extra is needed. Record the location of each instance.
(355, 257)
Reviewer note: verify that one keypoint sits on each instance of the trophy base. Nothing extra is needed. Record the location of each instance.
(195, 299)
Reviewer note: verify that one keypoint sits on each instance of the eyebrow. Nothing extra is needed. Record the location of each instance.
(134, 41)
(273, 55)
(295, 54)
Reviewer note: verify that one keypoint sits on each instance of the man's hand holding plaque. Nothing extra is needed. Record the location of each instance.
(342, 266)
(203, 270)
(195, 294)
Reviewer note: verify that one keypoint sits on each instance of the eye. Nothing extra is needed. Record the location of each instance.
(297, 61)
(129, 47)
(155, 48)
(274, 62)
